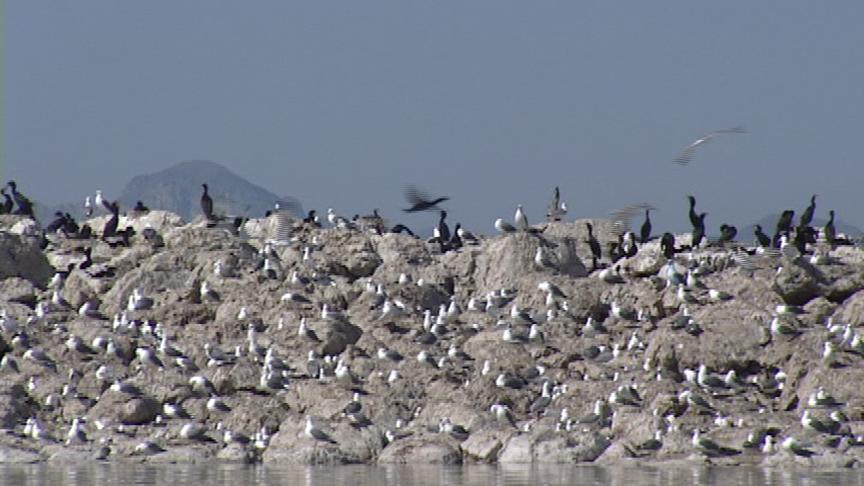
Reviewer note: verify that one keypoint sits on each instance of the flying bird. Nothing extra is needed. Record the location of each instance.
(419, 201)
(690, 151)
(622, 218)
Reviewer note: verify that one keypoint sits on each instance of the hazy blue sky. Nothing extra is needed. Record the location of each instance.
(490, 102)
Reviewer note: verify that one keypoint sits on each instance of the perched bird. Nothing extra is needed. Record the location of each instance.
(761, 238)
(314, 432)
(503, 226)
(520, 219)
(807, 215)
(829, 231)
(686, 156)
(443, 229)
(594, 245)
(207, 204)
(645, 230)
(727, 233)
(25, 206)
(557, 210)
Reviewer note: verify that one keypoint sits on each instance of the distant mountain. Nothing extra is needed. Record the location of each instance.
(769, 225)
(178, 189)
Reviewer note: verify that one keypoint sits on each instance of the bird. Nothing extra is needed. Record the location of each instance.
(207, 204)
(503, 226)
(686, 156)
(520, 219)
(694, 217)
(807, 215)
(25, 206)
(101, 201)
(829, 231)
(761, 238)
(594, 245)
(443, 229)
(698, 231)
(110, 228)
(727, 233)
(710, 447)
(420, 201)
(76, 433)
(8, 204)
(556, 209)
(314, 432)
(645, 230)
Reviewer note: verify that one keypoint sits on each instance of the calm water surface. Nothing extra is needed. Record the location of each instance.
(216, 475)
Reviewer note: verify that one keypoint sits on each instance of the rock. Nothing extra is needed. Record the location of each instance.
(796, 285)
(349, 444)
(14, 404)
(22, 258)
(235, 452)
(138, 411)
(509, 258)
(484, 445)
(11, 455)
(420, 450)
(551, 447)
(18, 290)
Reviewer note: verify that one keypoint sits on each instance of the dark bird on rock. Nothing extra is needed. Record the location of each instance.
(110, 228)
(8, 203)
(694, 218)
(645, 231)
(140, 208)
(807, 215)
(761, 238)
(419, 201)
(312, 218)
(593, 244)
(25, 207)
(727, 233)
(829, 231)
(207, 204)
(784, 226)
(667, 244)
(698, 231)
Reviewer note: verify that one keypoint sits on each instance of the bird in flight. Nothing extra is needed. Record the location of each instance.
(690, 151)
(419, 201)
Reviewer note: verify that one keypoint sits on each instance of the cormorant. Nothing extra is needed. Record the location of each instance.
(206, 204)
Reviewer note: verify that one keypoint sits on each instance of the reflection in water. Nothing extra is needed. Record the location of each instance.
(475, 475)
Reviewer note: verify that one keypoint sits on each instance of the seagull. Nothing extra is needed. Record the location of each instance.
(313, 432)
(520, 219)
(690, 151)
(503, 226)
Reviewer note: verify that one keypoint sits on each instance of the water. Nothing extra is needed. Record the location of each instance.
(475, 475)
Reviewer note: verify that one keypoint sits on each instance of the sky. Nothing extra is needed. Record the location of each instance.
(490, 102)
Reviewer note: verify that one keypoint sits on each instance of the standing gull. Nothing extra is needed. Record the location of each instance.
(520, 219)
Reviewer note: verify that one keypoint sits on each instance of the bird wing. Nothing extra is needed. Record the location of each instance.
(623, 217)
(415, 195)
(738, 129)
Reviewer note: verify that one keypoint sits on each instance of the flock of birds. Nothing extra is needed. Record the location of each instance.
(495, 310)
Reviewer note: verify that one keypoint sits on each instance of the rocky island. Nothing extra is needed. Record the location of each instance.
(283, 342)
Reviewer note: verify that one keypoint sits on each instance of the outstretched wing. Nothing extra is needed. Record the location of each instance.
(623, 218)
(415, 196)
